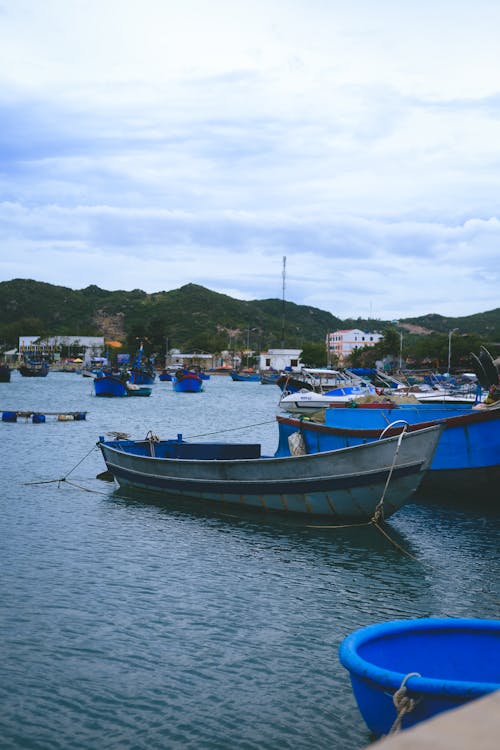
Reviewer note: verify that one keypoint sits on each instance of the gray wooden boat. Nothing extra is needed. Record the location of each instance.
(345, 483)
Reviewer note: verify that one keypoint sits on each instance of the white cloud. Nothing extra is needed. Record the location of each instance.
(359, 139)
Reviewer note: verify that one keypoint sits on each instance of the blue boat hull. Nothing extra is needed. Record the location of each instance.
(455, 661)
(109, 386)
(466, 458)
(142, 377)
(242, 377)
(187, 384)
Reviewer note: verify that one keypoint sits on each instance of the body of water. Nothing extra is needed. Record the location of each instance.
(133, 624)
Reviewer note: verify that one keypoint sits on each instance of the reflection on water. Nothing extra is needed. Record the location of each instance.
(128, 622)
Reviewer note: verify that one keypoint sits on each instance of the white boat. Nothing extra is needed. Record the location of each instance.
(306, 402)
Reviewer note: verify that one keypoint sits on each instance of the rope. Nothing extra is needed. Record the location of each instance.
(379, 508)
(63, 479)
(403, 703)
(232, 429)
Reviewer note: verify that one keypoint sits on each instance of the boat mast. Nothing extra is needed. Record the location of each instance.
(283, 306)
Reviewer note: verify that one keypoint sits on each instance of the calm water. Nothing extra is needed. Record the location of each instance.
(131, 624)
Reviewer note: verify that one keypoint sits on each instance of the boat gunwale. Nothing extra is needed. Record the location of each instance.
(479, 415)
(320, 456)
(388, 678)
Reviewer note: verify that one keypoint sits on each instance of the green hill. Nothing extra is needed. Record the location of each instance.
(189, 318)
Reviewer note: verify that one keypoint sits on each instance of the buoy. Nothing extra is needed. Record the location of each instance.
(65, 418)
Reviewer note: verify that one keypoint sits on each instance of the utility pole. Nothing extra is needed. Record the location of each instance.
(283, 306)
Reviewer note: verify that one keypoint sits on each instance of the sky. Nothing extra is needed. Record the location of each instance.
(149, 144)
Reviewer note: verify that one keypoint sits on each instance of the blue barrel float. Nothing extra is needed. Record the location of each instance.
(436, 663)
(9, 416)
(38, 418)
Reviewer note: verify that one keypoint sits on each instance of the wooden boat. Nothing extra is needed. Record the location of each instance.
(110, 386)
(118, 386)
(165, 376)
(187, 381)
(405, 671)
(467, 458)
(33, 368)
(244, 377)
(347, 483)
(142, 371)
(4, 373)
(269, 377)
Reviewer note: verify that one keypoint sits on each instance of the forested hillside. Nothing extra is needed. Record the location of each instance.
(192, 318)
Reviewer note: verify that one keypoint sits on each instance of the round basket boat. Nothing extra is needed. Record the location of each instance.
(438, 663)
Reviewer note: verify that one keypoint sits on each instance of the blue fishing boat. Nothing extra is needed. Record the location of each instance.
(348, 483)
(467, 458)
(118, 386)
(241, 376)
(142, 371)
(108, 385)
(405, 671)
(187, 381)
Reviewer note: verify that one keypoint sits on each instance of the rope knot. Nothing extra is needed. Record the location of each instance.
(402, 702)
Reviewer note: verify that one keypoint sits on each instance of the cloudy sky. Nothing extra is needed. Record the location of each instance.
(153, 143)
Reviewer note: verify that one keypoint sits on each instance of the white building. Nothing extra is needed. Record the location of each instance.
(343, 343)
(280, 359)
(55, 346)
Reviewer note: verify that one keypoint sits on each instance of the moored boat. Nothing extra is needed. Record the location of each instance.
(240, 376)
(142, 371)
(187, 381)
(4, 373)
(348, 483)
(307, 402)
(405, 671)
(34, 368)
(467, 458)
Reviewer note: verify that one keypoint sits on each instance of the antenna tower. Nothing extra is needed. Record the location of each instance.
(283, 305)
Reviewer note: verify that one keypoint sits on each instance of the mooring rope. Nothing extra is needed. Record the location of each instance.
(403, 703)
(63, 479)
(232, 429)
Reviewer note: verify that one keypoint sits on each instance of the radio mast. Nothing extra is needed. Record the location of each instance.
(283, 306)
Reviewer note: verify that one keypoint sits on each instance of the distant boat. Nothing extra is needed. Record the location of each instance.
(348, 483)
(34, 368)
(241, 376)
(108, 385)
(425, 666)
(4, 373)
(268, 377)
(165, 376)
(187, 381)
(117, 386)
(319, 380)
(142, 371)
(307, 402)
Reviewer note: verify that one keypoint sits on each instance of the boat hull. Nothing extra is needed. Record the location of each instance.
(187, 384)
(457, 660)
(141, 377)
(34, 371)
(467, 456)
(340, 484)
(245, 377)
(110, 387)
